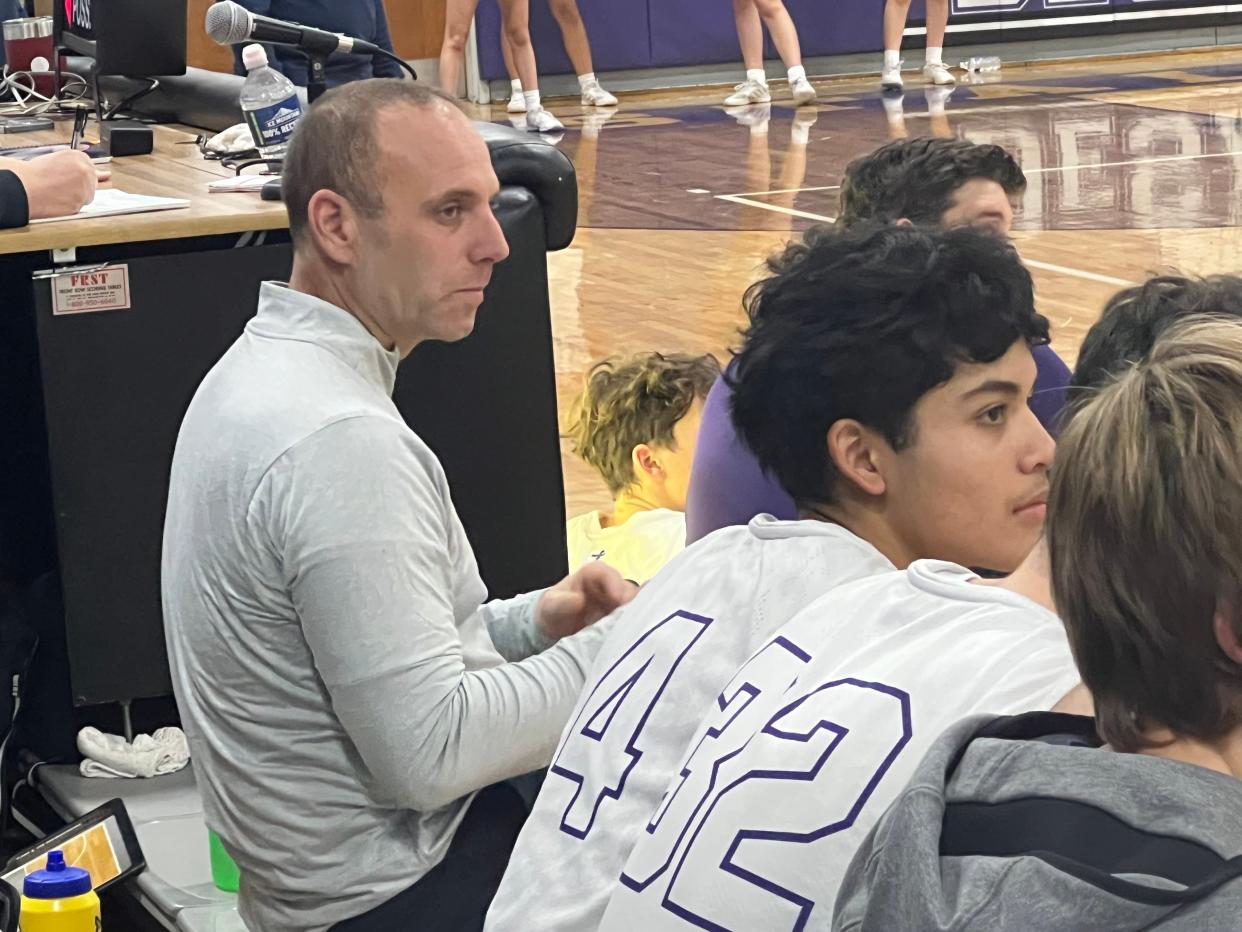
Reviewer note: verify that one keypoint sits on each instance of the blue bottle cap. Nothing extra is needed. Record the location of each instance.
(57, 881)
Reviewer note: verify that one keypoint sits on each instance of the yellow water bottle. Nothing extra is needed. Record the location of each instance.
(59, 898)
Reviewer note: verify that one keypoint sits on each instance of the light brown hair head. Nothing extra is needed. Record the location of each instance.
(1145, 537)
(630, 401)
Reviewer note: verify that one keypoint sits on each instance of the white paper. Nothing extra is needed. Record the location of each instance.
(252, 183)
(109, 202)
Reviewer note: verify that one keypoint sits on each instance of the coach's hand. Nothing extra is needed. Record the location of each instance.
(581, 599)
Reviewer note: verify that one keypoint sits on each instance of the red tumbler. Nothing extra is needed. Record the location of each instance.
(28, 47)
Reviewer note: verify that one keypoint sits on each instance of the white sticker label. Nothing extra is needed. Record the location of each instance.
(86, 292)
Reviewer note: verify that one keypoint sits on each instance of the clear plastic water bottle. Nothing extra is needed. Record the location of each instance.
(269, 102)
(982, 64)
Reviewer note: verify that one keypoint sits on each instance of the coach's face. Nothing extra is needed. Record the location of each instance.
(972, 487)
(427, 259)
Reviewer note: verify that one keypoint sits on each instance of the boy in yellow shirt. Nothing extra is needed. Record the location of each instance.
(637, 422)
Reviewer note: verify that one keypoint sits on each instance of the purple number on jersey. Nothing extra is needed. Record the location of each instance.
(734, 718)
(806, 775)
(602, 745)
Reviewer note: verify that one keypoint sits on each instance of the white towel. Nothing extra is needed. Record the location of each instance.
(166, 751)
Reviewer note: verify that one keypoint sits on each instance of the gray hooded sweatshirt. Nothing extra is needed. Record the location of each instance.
(1028, 824)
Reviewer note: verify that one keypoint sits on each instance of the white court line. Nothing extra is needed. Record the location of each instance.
(1160, 158)
(788, 211)
(827, 187)
(1011, 108)
(1080, 101)
(1033, 263)
(1077, 273)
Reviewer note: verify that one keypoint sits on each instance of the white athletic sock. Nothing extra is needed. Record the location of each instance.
(587, 80)
(532, 100)
(892, 58)
(796, 73)
(800, 134)
(758, 75)
(933, 56)
(516, 84)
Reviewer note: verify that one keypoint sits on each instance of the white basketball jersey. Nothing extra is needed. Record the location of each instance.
(669, 654)
(757, 827)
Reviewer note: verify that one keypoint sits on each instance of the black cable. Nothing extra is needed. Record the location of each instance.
(11, 905)
(18, 686)
(400, 61)
(131, 99)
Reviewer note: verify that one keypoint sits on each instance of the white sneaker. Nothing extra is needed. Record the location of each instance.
(540, 121)
(800, 126)
(595, 96)
(806, 118)
(890, 78)
(517, 103)
(936, 73)
(749, 92)
(894, 103)
(755, 116)
(937, 97)
(594, 121)
(751, 114)
(803, 92)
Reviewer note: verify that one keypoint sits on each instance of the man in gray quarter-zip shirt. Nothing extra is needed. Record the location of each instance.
(344, 687)
(1036, 824)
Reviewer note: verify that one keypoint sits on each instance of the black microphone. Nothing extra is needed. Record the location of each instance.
(230, 23)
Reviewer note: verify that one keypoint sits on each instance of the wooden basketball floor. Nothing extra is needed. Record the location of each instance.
(1133, 167)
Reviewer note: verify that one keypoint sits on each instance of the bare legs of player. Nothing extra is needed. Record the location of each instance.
(749, 33)
(514, 16)
(574, 35)
(751, 16)
(896, 13)
(781, 27)
(937, 112)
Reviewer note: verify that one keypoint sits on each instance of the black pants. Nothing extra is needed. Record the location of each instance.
(455, 894)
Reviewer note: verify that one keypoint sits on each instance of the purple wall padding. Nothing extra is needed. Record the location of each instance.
(839, 27)
(487, 25)
(663, 33)
(620, 32)
(687, 32)
(692, 31)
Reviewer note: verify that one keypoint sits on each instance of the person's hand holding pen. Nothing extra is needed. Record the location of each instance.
(57, 184)
(80, 116)
(79, 127)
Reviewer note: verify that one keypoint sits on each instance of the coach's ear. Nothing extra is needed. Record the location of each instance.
(852, 448)
(903, 222)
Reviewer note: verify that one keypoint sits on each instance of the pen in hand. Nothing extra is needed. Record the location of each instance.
(79, 126)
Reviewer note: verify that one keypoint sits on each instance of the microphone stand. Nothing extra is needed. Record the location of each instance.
(316, 77)
(316, 86)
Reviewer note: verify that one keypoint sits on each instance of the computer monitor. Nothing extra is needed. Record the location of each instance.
(138, 38)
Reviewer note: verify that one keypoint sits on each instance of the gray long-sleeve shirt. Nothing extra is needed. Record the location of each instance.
(342, 685)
